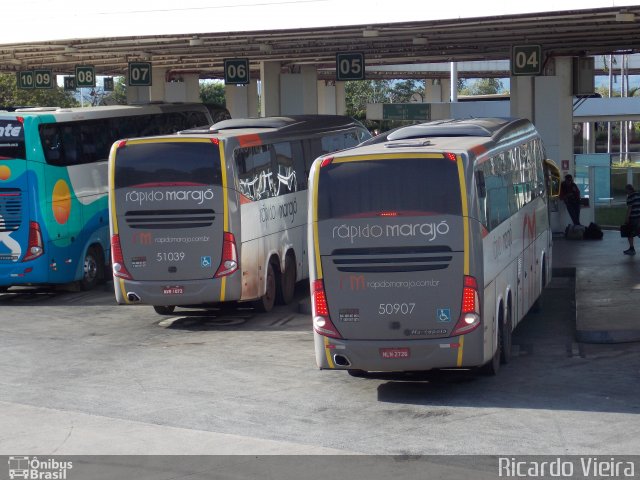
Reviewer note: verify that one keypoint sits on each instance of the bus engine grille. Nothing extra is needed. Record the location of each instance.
(392, 259)
(161, 219)
(10, 209)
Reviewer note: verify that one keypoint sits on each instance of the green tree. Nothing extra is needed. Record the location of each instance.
(403, 90)
(119, 94)
(483, 86)
(10, 95)
(212, 93)
(359, 93)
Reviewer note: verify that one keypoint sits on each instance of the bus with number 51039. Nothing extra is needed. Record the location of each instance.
(217, 214)
(428, 245)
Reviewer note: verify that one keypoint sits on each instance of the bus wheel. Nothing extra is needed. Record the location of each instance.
(506, 335)
(93, 270)
(493, 366)
(164, 309)
(265, 303)
(287, 285)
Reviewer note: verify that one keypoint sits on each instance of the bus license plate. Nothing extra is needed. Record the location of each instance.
(177, 290)
(394, 352)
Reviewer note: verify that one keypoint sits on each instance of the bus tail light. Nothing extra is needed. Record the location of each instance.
(322, 324)
(229, 261)
(117, 260)
(35, 246)
(470, 311)
(326, 161)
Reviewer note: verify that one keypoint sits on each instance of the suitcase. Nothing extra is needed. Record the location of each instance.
(574, 232)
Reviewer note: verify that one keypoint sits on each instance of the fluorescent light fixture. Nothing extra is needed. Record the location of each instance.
(419, 41)
(625, 17)
(370, 32)
(196, 42)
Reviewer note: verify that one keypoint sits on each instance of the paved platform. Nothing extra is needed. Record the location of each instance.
(607, 286)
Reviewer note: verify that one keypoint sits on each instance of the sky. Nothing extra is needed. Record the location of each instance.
(40, 20)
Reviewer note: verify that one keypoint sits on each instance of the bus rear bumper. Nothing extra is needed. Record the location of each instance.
(176, 293)
(400, 355)
(35, 272)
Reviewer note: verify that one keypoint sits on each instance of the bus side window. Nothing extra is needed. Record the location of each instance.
(286, 175)
(255, 173)
(69, 146)
(51, 144)
(299, 164)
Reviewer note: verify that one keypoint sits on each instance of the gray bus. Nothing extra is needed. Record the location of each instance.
(428, 245)
(217, 214)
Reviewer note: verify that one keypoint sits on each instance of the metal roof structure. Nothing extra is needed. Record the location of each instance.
(594, 31)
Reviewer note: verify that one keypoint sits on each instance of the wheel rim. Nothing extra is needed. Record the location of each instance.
(90, 268)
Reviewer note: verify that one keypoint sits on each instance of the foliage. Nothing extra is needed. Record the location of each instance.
(11, 96)
(119, 94)
(212, 93)
(483, 86)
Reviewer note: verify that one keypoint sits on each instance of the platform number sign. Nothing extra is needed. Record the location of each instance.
(236, 71)
(139, 74)
(69, 83)
(25, 80)
(85, 76)
(107, 84)
(526, 60)
(349, 66)
(43, 79)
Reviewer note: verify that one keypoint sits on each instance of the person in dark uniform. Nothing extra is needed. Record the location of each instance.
(633, 216)
(570, 194)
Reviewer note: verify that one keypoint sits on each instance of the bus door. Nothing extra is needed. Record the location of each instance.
(390, 235)
(168, 202)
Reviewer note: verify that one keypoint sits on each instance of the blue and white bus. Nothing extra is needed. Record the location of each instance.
(54, 218)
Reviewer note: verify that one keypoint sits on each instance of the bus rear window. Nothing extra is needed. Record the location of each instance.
(176, 163)
(407, 187)
(11, 140)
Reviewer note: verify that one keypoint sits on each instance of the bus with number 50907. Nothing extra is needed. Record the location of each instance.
(428, 245)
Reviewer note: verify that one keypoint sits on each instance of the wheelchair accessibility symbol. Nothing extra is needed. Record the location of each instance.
(443, 314)
(205, 262)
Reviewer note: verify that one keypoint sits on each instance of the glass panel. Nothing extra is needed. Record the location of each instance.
(405, 186)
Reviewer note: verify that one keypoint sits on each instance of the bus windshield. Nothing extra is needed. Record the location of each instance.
(11, 140)
(403, 187)
(183, 163)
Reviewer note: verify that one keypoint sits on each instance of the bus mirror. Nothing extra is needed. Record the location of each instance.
(480, 185)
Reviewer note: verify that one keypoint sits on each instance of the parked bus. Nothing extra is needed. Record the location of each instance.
(216, 215)
(428, 245)
(53, 186)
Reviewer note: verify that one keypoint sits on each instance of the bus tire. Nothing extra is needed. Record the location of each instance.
(287, 284)
(164, 309)
(506, 334)
(265, 303)
(492, 367)
(537, 305)
(93, 269)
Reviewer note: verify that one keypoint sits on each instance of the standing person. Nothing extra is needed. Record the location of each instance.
(570, 194)
(633, 216)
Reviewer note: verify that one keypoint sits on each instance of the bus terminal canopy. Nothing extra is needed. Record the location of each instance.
(195, 36)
